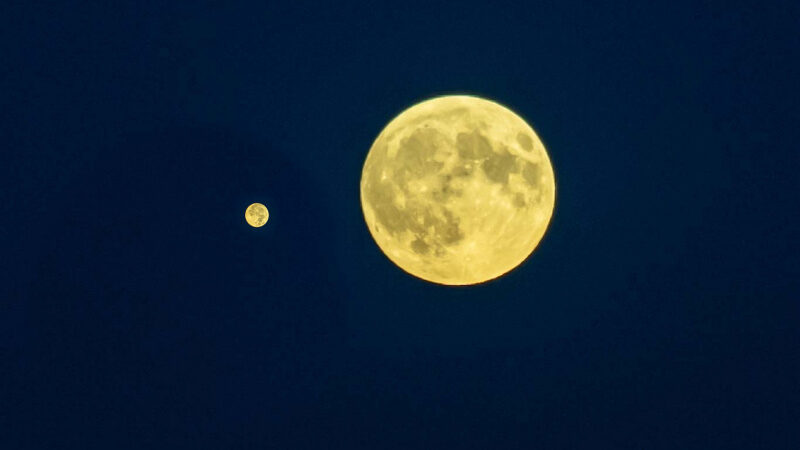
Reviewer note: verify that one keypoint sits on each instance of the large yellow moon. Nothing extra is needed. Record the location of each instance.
(256, 215)
(457, 190)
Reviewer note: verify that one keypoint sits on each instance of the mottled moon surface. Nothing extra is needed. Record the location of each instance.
(457, 190)
(256, 215)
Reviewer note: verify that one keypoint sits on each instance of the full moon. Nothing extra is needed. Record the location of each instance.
(256, 215)
(457, 190)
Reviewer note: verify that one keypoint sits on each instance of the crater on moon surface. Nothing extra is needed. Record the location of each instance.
(457, 190)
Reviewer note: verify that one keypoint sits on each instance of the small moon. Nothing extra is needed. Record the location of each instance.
(457, 190)
(256, 215)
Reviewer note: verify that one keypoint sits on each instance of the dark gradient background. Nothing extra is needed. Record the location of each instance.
(139, 311)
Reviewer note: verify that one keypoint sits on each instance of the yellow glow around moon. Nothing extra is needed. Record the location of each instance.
(256, 215)
(457, 190)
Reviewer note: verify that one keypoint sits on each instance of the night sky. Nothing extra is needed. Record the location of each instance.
(138, 310)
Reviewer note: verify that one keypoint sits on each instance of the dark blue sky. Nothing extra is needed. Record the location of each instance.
(138, 310)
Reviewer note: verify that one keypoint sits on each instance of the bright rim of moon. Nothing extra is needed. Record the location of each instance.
(457, 190)
(256, 215)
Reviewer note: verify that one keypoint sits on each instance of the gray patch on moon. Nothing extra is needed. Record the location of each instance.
(531, 173)
(381, 198)
(519, 200)
(448, 230)
(473, 146)
(419, 246)
(414, 153)
(499, 166)
(445, 190)
(462, 171)
(525, 141)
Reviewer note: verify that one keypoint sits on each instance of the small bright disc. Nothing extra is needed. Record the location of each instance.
(256, 215)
